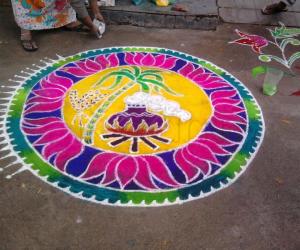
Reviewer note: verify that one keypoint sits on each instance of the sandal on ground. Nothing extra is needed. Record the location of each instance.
(78, 28)
(29, 45)
(274, 8)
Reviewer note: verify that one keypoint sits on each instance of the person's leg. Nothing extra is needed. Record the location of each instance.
(81, 11)
(76, 25)
(277, 7)
(274, 8)
(26, 40)
(95, 10)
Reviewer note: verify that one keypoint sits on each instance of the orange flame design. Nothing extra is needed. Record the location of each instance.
(142, 130)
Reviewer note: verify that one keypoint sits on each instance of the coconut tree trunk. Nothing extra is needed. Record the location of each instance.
(88, 133)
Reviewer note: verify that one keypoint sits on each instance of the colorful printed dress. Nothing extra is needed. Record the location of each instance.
(42, 14)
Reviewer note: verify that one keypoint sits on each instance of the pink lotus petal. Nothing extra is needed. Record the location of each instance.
(138, 58)
(57, 146)
(60, 81)
(202, 152)
(93, 65)
(186, 166)
(41, 121)
(43, 129)
(102, 61)
(50, 136)
(76, 71)
(220, 140)
(126, 171)
(224, 125)
(200, 164)
(160, 170)
(69, 153)
(129, 58)
(214, 147)
(83, 66)
(186, 69)
(230, 118)
(98, 165)
(212, 79)
(49, 93)
(113, 60)
(38, 99)
(201, 78)
(169, 63)
(143, 176)
(44, 107)
(226, 101)
(47, 84)
(159, 60)
(214, 85)
(148, 60)
(223, 94)
(196, 73)
(228, 108)
(110, 173)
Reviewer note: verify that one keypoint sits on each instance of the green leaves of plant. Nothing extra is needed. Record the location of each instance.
(119, 75)
(287, 41)
(269, 58)
(283, 32)
(156, 76)
(265, 58)
(159, 84)
(144, 86)
(146, 79)
(137, 71)
(283, 36)
(293, 58)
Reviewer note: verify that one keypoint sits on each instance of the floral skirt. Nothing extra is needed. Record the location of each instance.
(42, 14)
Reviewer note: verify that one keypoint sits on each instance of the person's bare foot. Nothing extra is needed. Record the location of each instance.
(274, 8)
(27, 42)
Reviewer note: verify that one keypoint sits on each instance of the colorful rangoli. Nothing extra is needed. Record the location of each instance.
(134, 126)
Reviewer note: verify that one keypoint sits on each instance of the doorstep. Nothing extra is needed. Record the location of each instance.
(201, 15)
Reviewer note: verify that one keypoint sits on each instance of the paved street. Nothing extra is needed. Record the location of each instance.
(261, 210)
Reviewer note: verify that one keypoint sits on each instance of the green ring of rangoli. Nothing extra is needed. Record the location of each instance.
(42, 169)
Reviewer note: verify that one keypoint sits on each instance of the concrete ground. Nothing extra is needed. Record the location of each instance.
(260, 211)
(204, 14)
(245, 11)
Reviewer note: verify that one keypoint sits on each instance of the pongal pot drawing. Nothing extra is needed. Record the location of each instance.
(138, 125)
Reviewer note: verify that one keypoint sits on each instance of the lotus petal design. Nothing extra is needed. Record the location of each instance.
(152, 166)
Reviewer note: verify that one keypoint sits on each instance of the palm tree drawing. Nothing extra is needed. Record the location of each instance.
(148, 80)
